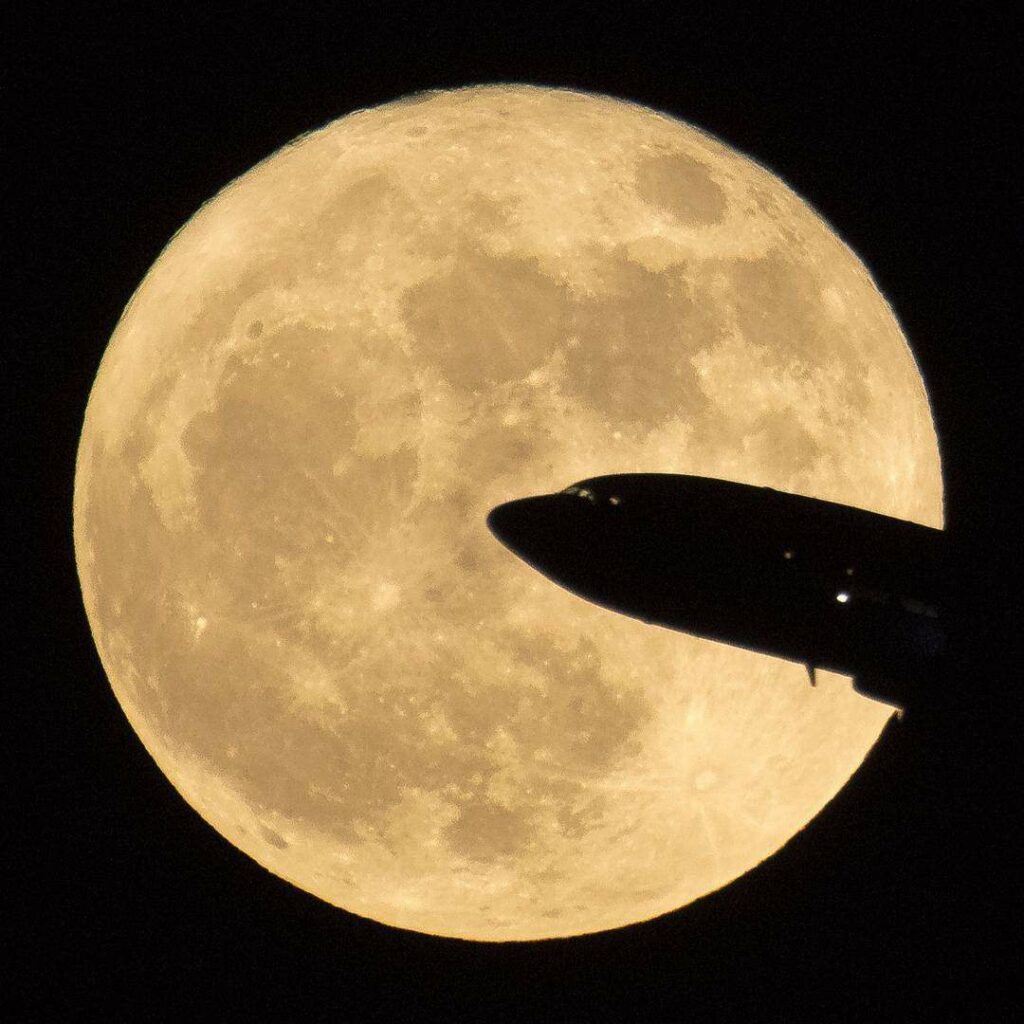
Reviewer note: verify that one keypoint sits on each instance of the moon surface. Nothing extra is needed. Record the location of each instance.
(323, 384)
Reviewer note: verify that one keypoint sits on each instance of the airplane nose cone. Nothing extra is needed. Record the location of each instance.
(565, 538)
(542, 530)
(516, 521)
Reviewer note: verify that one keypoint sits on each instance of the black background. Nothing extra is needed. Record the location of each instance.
(895, 902)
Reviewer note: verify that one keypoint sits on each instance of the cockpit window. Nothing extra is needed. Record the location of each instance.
(591, 495)
(581, 492)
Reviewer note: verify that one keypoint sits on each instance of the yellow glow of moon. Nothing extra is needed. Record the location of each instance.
(327, 379)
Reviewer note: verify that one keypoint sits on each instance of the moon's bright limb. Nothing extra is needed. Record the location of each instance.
(327, 379)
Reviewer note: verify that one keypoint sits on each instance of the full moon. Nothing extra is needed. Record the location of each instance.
(333, 372)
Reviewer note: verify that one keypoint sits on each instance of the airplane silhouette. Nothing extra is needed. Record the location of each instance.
(828, 585)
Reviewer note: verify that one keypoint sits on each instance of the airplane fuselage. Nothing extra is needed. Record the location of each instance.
(828, 585)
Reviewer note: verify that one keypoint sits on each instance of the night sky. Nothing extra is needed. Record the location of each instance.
(896, 900)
